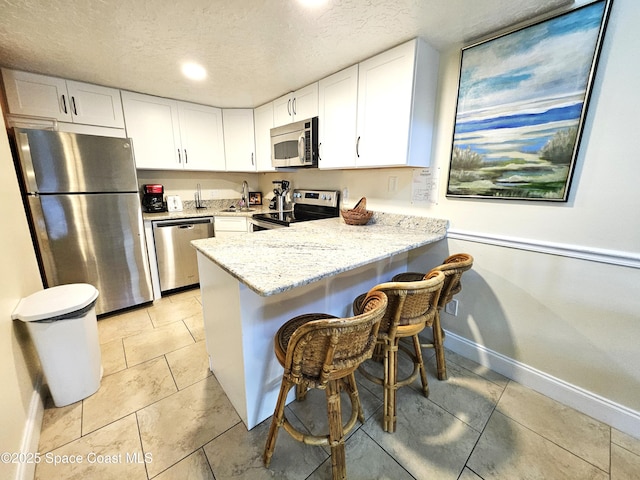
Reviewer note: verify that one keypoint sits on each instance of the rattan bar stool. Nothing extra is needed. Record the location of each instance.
(322, 351)
(453, 267)
(412, 307)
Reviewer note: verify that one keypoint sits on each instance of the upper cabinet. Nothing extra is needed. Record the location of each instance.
(337, 114)
(36, 95)
(396, 106)
(296, 106)
(263, 123)
(239, 142)
(201, 132)
(172, 135)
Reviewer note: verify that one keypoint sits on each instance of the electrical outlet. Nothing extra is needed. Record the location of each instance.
(452, 308)
(393, 184)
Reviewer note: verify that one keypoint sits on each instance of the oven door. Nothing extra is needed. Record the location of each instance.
(256, 225)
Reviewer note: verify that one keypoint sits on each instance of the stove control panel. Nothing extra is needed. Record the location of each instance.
(324, 198)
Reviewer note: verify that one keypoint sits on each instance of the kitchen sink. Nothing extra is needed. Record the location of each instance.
(238, 210)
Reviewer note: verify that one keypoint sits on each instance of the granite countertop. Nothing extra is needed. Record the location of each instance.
(274, 261)
(213, 208)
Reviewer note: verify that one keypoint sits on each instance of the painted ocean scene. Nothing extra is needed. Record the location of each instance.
(520, 106)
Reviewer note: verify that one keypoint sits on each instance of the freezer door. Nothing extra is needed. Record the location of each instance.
(96, 239)
(60, 162)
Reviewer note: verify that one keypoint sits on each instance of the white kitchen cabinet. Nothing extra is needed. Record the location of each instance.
(201, 132)
(263, 123)
(337, 114)
(172, 135)
(64, 100)
(396, 106)
(227, 226)
(239, 142)
(296, 106)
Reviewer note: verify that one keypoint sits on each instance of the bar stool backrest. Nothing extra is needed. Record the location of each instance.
(410, 303)
(453, 267)
(331, 348)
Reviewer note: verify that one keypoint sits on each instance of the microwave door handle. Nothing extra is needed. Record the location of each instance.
(301, 147)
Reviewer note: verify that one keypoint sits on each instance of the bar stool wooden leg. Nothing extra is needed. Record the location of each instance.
(420, 360)
(276, 422)
(438, 345)
(350, 382)
(336, 434)
(390, 388)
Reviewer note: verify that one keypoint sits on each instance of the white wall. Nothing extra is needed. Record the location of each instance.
(19, 368)
(569, 319)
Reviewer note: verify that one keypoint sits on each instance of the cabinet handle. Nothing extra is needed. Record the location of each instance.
(358, 147)
(294, 106)
(186, 157)
(73, 104)
(319, 151)
(288, 107)
(252, 162)
(64, 104)
(179, 157)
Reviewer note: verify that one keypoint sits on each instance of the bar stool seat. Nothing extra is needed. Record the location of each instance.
(322, 351)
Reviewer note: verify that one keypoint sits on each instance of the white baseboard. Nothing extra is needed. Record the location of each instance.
(618, 416)
(31, 435)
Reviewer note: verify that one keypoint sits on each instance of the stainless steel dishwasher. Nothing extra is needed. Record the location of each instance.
(177, 261)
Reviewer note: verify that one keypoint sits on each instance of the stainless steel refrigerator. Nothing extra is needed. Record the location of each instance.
(81, 197)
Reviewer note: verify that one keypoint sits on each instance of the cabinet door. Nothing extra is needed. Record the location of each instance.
(298, 105)
(201, 131)
(226, 226)
(95, 105)
(36, 95)
(152, 123)
(385, 84)
(263, 122)
(239, 142)
(282, 112)
(305, 102)
(337, 110)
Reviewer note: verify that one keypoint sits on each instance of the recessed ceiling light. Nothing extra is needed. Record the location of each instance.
(194, 71)
(312, 3)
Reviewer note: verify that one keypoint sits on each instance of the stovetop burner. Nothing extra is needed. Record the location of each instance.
(307, 205)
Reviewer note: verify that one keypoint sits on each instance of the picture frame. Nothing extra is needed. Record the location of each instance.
(255, 198)
(522, 102)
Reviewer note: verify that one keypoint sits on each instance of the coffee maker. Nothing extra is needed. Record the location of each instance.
(152, 198)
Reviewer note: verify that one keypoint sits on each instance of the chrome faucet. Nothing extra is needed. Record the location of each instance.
(245, 195)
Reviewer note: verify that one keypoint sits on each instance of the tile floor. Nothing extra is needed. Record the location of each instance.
(161, 414)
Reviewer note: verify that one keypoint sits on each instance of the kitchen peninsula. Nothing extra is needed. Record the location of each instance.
(252, 284)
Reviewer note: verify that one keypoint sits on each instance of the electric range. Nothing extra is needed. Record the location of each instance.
(307, 205)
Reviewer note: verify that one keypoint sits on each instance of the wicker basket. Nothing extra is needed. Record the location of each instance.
(358, 215)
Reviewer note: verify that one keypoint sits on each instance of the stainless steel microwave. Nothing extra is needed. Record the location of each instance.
(295, 144)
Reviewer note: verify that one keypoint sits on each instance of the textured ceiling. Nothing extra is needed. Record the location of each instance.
(253, 50)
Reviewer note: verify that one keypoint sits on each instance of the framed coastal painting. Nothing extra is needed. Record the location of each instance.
(522, 101)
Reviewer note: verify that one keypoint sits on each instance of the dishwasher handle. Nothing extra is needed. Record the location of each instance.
(181, 223)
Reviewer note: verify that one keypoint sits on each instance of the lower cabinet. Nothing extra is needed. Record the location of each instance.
(227, 226)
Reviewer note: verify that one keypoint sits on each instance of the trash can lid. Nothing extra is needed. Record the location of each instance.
(55, 302)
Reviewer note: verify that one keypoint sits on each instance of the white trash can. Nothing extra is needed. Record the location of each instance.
(63, 326)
